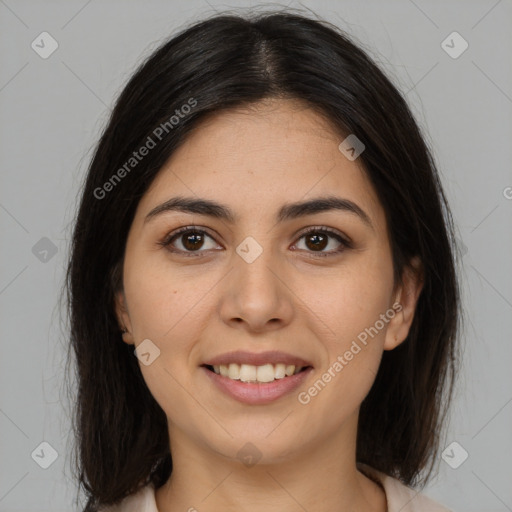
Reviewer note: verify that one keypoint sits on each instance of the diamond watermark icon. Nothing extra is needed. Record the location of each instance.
(454, 45)
(44, 455)
(44, 45)
(351, 147)
(147, 352)
(249, 249)
(44, 250)
(454, 455)
(249, 455)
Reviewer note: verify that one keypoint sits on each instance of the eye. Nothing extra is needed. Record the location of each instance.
(192, 240)
(317, 239)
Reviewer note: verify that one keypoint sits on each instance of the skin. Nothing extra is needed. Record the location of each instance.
(195, 308)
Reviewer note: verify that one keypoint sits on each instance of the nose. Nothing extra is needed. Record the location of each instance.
(256, 295)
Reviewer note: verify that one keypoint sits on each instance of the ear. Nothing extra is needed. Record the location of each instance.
(123, 317)
(404, 304)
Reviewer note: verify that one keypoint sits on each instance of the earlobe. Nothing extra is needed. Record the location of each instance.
(123, 318)
(405, 301)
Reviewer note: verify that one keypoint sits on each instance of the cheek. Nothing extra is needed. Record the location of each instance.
(354, 306)
(168, 307)
(161, 300)
(164, 307)
(352, 358)
(352, 300)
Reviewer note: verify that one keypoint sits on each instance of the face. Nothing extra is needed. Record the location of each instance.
(316, 285)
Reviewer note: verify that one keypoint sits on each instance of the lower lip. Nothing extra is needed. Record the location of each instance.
(258, 393)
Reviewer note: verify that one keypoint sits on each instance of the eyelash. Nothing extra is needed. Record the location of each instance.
(345, 244)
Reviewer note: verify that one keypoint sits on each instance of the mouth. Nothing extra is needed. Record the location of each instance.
(257, 385)
(256, 374)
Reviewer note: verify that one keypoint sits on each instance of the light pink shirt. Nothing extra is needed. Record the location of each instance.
(400, 498)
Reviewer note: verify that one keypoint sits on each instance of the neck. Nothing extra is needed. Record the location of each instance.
(320, 477)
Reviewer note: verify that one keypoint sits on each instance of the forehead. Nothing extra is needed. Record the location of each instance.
(284, 130)
(257, 158)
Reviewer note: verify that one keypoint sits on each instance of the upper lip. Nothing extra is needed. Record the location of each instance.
(257, 359)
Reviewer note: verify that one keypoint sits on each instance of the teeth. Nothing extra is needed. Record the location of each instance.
(234, 371)
(290, 369)
(247, 373)
(250, 373)
(280, 371)
(265, 373)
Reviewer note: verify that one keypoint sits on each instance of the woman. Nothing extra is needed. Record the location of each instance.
(262, 287)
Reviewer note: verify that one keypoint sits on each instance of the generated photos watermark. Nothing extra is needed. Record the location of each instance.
(137, 156)
(341, 361)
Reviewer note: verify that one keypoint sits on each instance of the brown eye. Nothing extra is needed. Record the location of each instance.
(187, 241)
(192, 240)
(317, 239)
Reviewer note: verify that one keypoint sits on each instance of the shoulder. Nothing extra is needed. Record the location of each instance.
(141, 501)
(401, 497)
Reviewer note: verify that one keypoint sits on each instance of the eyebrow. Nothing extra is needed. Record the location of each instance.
(288, 211)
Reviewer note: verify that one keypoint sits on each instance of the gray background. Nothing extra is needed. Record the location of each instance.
(52, 111)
